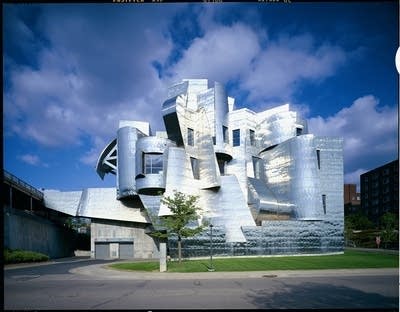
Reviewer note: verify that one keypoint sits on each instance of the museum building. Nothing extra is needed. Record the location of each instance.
(265, 184)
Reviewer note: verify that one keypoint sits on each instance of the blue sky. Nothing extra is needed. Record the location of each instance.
(72, 71)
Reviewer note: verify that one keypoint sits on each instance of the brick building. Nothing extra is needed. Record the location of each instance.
(380, 191)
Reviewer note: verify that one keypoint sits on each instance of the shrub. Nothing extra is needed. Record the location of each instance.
(20, 256)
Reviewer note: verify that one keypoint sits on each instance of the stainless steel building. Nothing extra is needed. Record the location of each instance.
(265, 183)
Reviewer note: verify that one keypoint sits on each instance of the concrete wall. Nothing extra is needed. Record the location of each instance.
(29, 232)
(113, 232)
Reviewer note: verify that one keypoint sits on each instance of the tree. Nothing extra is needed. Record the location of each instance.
(359, 221)
(184, 210)
(390, 228)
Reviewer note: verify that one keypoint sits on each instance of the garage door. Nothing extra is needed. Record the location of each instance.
(102, 250)
(125, 250)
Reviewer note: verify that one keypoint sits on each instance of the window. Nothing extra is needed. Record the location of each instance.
(299, 131)
(252, 138)
(225, 134)
(257, 167)
(319, 159)
(195, 168)
(324, 203)
(190, 137)
(152, 163)
(386, 171)
(236, 137)
(214, 140)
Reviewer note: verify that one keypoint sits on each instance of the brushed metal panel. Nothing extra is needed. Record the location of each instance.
(126, 153)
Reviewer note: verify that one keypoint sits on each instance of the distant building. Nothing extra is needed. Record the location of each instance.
(352, 199)
(380, 191)
(265, 183)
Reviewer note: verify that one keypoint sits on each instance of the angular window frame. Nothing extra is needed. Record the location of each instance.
(236, 137)
(225, 135)
(194, 162)
(190, 136)
(319, 158)
(150, 163)
(252, 137)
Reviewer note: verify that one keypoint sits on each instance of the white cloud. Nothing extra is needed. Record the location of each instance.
(369, 132)
(268, 70)
(81, 85)
(285, 63)
(33, 160)
(222, 54)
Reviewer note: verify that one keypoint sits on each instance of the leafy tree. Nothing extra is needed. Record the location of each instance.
(348, 229)
(359, 221)
(184, 210)
(390, 228)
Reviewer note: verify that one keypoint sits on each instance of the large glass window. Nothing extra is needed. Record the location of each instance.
(236, 137)
(152, 162)
(190, 137)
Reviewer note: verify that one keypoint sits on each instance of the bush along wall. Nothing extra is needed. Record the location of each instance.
(21, 256)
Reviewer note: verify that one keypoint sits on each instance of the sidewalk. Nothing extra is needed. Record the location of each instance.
(103, 271)
(380, 250)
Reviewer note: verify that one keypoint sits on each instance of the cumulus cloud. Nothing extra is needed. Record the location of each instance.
(217, 55)
(286, 62)
(33, 160)
(369, 132)
(79, 71)
(268, 70)
(80, 85)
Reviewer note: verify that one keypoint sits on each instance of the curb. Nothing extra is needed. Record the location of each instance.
(102, 271)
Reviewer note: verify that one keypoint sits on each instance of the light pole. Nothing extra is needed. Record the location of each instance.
(211, 268)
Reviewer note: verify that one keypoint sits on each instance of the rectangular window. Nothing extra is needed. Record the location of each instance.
(152, 163)
(319, 159)
(236, 137)
(190, 137)
(252, 138)
(324, 203)
(214, 140)
(299, 131)
(195, 168)
(257, 167)
(225, 134)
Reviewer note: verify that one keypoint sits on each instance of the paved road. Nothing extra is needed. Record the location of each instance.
(86, 284)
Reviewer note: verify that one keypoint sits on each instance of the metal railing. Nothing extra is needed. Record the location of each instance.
(13, 180)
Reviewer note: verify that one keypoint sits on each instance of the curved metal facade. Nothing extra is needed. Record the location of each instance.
(259, 176)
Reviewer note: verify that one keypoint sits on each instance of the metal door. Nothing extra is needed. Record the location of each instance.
(102, 250)
(126, 250)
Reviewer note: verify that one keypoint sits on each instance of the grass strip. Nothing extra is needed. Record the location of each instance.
(348, 260)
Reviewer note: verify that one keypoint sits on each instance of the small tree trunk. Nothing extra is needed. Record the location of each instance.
(179, 249)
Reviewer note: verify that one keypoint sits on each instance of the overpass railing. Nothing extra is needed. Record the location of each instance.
(23, 186)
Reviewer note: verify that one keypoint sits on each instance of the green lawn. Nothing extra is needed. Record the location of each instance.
(348, 260)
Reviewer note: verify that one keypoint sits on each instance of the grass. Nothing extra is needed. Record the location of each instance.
(22, 256)
(348, 260)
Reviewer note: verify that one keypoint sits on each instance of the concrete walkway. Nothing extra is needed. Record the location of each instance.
(103, 271)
